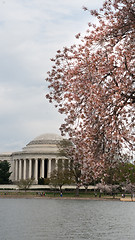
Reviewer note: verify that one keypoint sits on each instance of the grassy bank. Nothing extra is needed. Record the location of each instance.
(56, 194)
(47, 194)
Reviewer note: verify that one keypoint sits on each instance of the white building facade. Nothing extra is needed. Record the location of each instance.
(37, 160)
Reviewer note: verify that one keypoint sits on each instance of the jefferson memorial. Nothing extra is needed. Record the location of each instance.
(36, 160)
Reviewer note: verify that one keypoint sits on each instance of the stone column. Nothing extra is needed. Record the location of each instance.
(69, 164)
(24, 169)
(36, 170)
(56, 164)
(49, 168)
(16, 170)
(42, 168)
(20, 169)
(63, 164)
(30, 168)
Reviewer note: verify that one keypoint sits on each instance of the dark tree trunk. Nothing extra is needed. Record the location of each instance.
(77, 191)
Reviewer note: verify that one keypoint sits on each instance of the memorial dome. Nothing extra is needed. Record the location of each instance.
(43, 142)
(48, 137)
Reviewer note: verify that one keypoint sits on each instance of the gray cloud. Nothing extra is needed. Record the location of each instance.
(31, 33)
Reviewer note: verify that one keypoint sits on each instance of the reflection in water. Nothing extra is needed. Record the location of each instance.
(50, 219)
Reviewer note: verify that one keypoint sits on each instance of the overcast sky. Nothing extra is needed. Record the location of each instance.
(31, 31)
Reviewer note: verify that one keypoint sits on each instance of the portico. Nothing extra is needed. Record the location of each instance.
(34, 168)
(38, 159)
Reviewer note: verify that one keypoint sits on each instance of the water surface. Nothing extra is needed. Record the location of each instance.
(51, 219)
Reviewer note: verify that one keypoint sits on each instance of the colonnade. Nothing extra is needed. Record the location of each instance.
(35, 168)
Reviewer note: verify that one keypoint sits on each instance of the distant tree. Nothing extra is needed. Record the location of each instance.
(120, 173)
(93, 84)
(4, 172)
(24, 184)
(118, 176)
(61, 176)
(127, 173)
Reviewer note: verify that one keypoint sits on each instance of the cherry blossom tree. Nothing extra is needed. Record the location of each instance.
(92, 83)
(130, 188)
(107, 189)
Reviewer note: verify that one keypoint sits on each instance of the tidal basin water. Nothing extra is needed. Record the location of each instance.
(50, 219)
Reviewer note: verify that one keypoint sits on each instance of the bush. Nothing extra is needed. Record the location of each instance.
(43, 181)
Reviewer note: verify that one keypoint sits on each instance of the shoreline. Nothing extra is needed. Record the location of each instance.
(27, 195)
(15, 196)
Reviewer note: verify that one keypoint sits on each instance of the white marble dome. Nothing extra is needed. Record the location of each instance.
(43, 143)
(48, 137)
